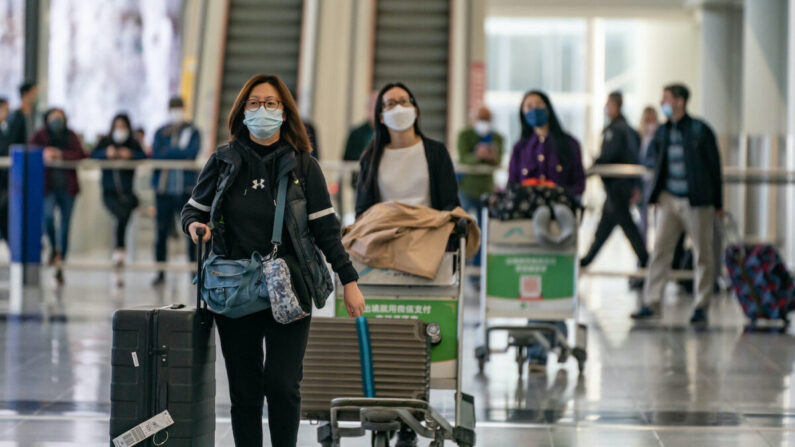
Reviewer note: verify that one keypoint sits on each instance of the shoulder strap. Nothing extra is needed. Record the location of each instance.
(278, 221)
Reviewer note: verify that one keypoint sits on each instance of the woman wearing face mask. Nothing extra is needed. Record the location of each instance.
(235, 196)
(401, 164)
(117, 184)
(545, 151)
(60, 185)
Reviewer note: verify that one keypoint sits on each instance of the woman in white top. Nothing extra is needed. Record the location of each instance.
(401, 164)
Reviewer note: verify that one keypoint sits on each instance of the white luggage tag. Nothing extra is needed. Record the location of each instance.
(144, 430)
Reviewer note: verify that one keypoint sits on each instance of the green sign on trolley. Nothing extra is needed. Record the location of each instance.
(530, 277)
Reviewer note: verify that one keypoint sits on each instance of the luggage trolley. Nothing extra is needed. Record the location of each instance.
(438, 302)
(521, 278)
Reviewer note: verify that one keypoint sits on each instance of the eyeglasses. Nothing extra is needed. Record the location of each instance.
(270, 104)
(391, 104)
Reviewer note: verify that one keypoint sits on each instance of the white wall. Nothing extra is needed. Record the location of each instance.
(667, 51)
(210, 71)
(791, 133)
(333, 70)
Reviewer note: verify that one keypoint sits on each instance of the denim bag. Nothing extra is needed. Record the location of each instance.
(234, 288)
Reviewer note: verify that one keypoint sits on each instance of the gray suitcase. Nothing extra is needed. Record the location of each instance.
(164, 359)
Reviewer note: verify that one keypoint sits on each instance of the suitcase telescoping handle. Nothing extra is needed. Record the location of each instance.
(199, 270)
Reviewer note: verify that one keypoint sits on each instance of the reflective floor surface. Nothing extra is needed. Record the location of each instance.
(650, 384)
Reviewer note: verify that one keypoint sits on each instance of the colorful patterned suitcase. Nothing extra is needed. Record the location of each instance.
(761, 281)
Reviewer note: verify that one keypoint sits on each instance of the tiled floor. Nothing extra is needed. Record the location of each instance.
(651, 384)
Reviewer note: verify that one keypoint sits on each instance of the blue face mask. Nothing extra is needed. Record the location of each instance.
(263, 123)
(667, 110)
(536, 117)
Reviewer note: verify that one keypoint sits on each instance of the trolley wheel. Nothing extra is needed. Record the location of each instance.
(380, 439)
(481, 355)
(581, 356)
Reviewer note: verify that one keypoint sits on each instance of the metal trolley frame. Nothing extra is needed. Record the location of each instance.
(383, 416)
(517, 239)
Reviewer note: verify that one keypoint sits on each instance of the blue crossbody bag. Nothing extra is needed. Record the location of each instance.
(236, 288)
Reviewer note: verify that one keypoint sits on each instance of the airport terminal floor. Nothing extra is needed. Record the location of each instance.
(645, 384)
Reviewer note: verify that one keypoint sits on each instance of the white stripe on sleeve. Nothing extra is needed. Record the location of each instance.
(322, 213)
(198, 205)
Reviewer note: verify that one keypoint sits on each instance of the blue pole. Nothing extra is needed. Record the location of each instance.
(25, 217)
(366, 357)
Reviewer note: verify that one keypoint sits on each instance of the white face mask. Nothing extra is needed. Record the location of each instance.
(120, 135)
(176, 116)
(400, 118)
(482, 127)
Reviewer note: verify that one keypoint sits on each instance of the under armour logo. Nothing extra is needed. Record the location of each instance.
(258, 184)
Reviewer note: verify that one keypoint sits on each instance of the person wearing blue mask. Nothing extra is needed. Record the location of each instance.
(688, 191)
(177, 140)
(233, 201)
(545, 151)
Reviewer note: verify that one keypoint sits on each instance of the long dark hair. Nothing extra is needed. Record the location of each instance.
(292, 131)
(107, 140)
(381, 134)
(559, 137)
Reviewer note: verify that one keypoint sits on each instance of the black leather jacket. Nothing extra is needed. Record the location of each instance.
(702, 162)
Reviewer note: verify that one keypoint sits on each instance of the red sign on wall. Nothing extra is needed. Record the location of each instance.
(477, 85)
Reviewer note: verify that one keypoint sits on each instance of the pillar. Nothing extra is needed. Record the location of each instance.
(790, 193)
(764, 107)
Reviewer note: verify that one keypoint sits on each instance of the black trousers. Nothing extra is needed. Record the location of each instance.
(121, 205)
(168, 208)
(277, 378)
(616, 212)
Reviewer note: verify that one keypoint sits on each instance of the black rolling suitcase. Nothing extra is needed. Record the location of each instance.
(163, 360)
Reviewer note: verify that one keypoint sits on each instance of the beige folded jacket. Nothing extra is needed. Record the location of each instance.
(408, 238)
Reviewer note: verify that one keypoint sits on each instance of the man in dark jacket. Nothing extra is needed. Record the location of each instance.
(688, 190)
(22, 123)
(619, 146)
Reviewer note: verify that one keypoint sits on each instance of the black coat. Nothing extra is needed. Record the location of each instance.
(702, 162)
(17, 128)
(620, 145)
(307, 232)
(444, 187)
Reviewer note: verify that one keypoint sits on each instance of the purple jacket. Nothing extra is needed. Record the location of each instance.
(532, 158)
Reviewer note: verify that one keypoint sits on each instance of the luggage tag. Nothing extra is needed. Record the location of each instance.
(144, 430)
